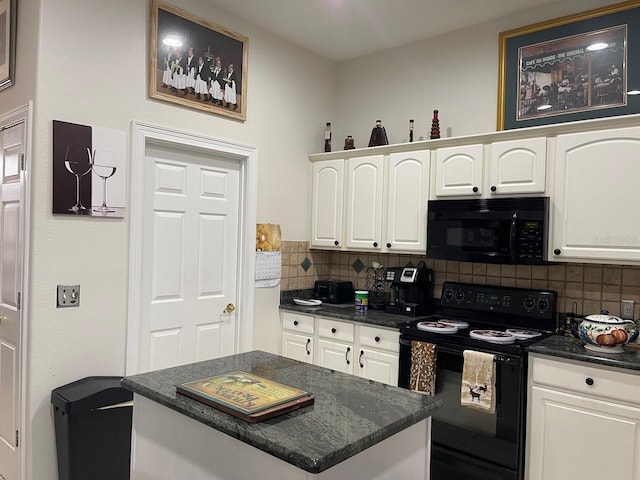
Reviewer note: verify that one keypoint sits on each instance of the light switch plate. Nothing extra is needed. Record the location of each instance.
(68, 296)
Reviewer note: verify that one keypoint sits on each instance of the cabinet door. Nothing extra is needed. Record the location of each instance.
(327, 203)
(336, 356)
(407, 196)
(571, 436)
(459, 171)
(517, 166)
(364, 202)
(596, 196)
(378, 366)
(298, 347)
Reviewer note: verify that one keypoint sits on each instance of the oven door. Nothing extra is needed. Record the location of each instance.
(468, 443)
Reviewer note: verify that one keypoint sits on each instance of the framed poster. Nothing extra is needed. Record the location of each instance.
(573, 68)
(7, 42)
(197, 63)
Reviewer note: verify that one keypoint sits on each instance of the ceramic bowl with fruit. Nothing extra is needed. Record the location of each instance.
(606, 333)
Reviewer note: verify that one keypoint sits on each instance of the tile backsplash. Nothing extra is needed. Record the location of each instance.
(587, 288)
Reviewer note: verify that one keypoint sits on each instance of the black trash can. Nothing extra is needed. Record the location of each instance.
(93, 429)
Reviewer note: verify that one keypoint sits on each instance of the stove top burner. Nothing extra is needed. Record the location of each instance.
(523, 334)
(493, 336)
(459, 324)
(437, 327)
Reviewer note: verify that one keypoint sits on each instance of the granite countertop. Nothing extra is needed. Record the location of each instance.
(573, 348)
(348, 312)
(350, 414)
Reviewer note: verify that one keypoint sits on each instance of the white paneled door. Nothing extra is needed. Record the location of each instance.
(190, 257)
(11, 243)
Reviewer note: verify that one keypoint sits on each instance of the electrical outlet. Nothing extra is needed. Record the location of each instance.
(627, 308)
(68, 296)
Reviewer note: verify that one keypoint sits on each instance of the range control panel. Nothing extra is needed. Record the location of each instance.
(509, 300)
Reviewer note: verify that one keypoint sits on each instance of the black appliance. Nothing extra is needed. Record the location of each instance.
(410, 290)
(333, 291)
(466, 443)
(496, 230)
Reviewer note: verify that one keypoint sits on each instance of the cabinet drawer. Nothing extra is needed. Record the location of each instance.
(577, 377)
(335, 330)
(297, 323)
(379, 338)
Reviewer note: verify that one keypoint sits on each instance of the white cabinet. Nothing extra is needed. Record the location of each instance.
(364, 202)
(348, 347)
(583, 422)
(297, 336)
(407, 195)
(517, 167)
(512, 167)
(381, 199)
(458, 171)
(595, 197)
(327, 203)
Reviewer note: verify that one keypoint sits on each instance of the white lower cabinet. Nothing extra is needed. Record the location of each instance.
(348, 347)
(583, 422)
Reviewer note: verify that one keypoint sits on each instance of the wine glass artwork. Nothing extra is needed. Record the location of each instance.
(77, 160)
(104, 166)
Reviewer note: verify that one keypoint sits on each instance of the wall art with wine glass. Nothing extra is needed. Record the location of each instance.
(88, 170)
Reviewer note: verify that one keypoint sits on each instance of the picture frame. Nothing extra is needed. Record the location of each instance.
(576, 67)
(197, 63)
(8, 20)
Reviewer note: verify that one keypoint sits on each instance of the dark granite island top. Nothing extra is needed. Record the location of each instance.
(573, 348)
(350, 414)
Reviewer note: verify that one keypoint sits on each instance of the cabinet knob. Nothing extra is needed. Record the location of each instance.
(557, 251)
(377, 339)
(375, 244)
(493, 188)
(336, 243)
(333, 330)
(589, 381)
(295, 323)
(475, 189)
(388, 245)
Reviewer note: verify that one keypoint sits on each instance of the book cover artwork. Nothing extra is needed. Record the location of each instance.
(241, 391)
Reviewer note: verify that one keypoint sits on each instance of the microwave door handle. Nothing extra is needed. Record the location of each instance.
(512, 236)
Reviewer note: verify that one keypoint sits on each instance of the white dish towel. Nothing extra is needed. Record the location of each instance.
(478, 381)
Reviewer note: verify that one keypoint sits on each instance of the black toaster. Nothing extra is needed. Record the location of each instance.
(333, 291)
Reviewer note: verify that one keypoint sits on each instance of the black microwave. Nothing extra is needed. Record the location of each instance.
(496, 230)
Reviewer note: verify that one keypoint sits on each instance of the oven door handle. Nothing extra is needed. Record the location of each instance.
(498, 357)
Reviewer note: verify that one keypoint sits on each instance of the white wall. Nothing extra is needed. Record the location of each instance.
(455, 73)
(92, 69)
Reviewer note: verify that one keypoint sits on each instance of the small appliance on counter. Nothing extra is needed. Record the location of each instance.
(333, 291)
(409, 290)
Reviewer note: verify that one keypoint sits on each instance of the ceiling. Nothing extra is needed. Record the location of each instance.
(342, 30)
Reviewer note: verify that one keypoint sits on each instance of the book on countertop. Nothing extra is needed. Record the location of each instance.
(246, 396)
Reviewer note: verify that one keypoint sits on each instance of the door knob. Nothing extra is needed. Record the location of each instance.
(230, 308)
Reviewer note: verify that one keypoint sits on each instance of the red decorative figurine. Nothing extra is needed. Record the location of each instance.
(435, 126)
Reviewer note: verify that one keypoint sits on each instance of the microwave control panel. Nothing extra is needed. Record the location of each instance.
(531, 239)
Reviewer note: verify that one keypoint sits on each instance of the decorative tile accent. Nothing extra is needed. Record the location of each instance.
(358, 266)
(306, 264)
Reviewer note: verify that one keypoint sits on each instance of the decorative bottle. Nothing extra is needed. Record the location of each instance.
(435, 126)
(327, 137)
(378, 135)
(411, 130)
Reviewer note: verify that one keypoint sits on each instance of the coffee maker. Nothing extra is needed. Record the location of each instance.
(409, 290)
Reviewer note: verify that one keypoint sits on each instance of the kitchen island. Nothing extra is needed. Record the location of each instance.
(356, 428)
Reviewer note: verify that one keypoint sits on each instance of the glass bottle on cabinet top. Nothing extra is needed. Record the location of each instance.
(378, 135)
(327, 137)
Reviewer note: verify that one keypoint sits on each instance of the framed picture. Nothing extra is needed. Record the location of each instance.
(197, 63)
(7, 42)
(577, 67)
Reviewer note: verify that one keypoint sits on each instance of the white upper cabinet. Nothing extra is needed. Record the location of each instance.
(407, 196)
(596, 197)
(517, 167)
(459, 171)
(327, 203)
(364, 202)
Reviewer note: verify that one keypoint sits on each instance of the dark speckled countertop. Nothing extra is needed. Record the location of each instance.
(573, 348)
(350, 414)
(348, 312)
